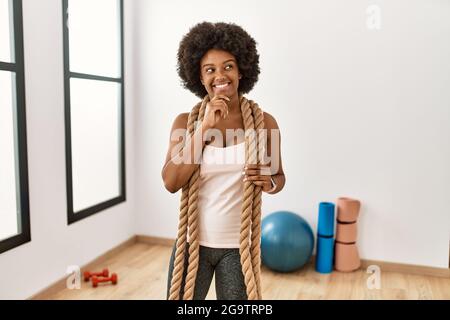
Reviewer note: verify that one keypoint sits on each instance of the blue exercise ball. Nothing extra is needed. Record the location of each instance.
(287, 241)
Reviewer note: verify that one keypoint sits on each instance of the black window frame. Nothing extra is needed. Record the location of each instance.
(72, 216)
(20, 131)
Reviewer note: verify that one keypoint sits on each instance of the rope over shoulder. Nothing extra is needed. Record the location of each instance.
(250, 231)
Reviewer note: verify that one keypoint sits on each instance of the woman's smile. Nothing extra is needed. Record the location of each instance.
(221, 88)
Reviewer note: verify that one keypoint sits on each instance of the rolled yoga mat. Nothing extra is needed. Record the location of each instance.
(325, 238)
(346, 252)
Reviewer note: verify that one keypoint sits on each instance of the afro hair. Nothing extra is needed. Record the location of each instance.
(224, 36)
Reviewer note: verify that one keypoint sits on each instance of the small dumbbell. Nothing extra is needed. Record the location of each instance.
(88, 275)
(96, 280)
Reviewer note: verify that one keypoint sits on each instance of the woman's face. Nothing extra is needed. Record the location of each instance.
(219, 73)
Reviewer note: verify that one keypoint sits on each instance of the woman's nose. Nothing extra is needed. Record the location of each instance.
(220, 77)
(220, 73)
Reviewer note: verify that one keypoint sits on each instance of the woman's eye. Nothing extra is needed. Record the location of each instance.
(229, 66)
(209, 70)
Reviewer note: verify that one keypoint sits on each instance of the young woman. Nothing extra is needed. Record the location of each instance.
(223, 165)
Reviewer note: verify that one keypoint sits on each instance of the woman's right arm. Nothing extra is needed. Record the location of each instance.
(179, 167)
(181, 162)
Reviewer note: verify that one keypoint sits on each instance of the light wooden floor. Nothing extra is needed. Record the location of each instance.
(142, 271)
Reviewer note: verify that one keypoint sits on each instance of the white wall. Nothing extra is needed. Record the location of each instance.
(371, 110)
(362, 113)
(31, 267)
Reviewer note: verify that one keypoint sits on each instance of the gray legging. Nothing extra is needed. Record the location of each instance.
(226, 263)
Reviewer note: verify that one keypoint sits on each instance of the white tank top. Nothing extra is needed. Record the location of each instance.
(220, 196)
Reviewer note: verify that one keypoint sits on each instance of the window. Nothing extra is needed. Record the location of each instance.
(14, 203)
(94, 105)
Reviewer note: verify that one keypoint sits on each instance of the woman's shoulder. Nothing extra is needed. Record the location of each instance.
(182, 116)
(181, 120)
(269, 121)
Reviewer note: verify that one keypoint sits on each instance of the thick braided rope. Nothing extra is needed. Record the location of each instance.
(250, 258)
(247, 201)
(255, 249)
(193, 221)
(177, 274)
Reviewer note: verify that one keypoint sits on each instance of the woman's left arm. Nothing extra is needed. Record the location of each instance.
(270, 175)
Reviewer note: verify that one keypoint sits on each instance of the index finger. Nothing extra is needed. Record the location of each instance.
(256, 166)
(263, 171)
(221, 96)
(250, 166)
